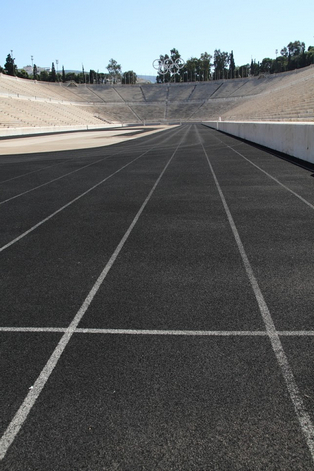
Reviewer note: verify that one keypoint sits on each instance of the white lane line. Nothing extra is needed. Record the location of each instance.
(190, 333)
(33, 329)
(21, 415)
(302, 414)
(54, 180)
(4, 247)
(296, 333)
(207, 333)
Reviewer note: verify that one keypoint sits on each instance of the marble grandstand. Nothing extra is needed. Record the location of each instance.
(33, 104)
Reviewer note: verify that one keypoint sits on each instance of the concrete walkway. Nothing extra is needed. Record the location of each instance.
(74, 140)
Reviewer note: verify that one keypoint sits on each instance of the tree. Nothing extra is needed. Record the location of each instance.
(129, 77)
(296, 55)
(9, 66)
(205, 66)
(296, 48)
(92, 76)
(114, 70)
(44, 76)
(80, 78)
(52, 75)
(197, 69)
(63, 74)
(231, 65)
(174, 55)
(292, 57)
(221, 60)
(266, 65)
(254, 68)
(22, 74)
(71, 77)
(168, 70)
(163, 75)
(35, 72)
(284, 52)
(190, 71)
(243, 71)
(279, 64)
(309, 55)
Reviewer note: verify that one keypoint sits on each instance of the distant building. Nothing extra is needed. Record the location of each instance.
(29, 69)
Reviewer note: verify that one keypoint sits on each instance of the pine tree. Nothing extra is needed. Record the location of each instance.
(231, 65)
(35, 72)
(9, 65)
(53, 73)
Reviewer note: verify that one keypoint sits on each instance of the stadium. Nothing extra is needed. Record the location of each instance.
(156, 247)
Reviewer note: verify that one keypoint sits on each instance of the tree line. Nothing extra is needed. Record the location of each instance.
(220, 65)
(114, 74)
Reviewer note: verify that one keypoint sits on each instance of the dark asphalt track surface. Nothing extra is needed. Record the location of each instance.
(157, 307)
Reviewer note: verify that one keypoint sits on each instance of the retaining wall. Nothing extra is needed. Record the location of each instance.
(294, 139)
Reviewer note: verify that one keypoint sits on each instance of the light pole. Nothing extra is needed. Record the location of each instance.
(13, 71)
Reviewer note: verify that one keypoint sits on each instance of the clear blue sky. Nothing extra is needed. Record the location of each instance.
(134, 33)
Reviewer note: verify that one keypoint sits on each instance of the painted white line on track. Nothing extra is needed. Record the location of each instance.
(302, 414)
(207, 333)
(195, 333)
(33, 329)
(4, 247)
(22, 413)
(296, 333)
(204, 333)
(190, 333)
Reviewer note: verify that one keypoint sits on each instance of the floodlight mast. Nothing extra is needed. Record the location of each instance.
(12, 61)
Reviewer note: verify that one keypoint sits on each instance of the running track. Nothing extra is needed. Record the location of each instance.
(157, 307)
